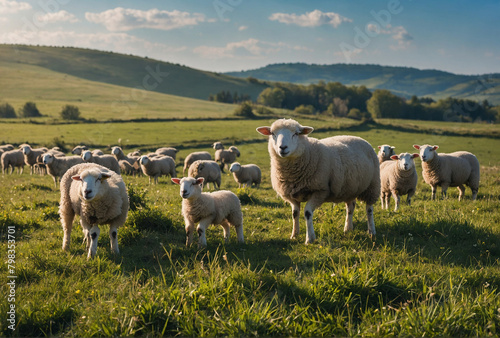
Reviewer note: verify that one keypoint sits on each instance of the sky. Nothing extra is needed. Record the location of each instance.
(458, 36)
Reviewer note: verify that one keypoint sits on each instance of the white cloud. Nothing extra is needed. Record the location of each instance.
(242, 28)
(402, 37)
(123, 19)
(7, 6)
(61, 16)
(310, 19)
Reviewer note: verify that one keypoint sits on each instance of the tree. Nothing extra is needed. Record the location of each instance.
(384, 104)
(244, 110)
(304, 110)
(29, 110)
(70, 112)
(7, 111)
(272, 97)
(338, 107)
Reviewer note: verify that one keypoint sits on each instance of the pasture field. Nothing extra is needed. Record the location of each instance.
(433, 268)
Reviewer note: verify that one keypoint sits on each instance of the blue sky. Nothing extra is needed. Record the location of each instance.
(225, 35)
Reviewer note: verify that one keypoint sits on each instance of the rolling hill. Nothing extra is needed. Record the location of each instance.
(402, 81)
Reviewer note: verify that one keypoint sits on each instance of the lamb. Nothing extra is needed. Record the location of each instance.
(13, 159)
(385, 153)
(107, 161)
(335, 169)
(246, 174)
(158, 166)
(57, 166)
(398, 177)
(199, 155)
(449, 170)
(167, 151)
(98, 196)
(30, 155)
(220, 207)
(226, 156)
(209, 170)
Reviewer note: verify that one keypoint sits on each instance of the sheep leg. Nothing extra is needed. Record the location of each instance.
(225, 226)
(434, 189)
(296, 218)
(410, 195)
(350, 206)
(189, 232)
(387, 200)
(461, 189)
(202, 229)
(370, 220)
(474, 194)
(444, 188)
(94, 236)
(314, 202)
(397, 199)
(67, 225)
(113, 237)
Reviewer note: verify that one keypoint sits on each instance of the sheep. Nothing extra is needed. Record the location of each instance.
(449, 170)
(217, 145)
(117, 152)
(167, 151)
(246, 174)
(13, 159)
(199, 155)
(398, 177)
(158, 166)
(57, 166)
(98, 196)
(385, 153)
(78, 150)
(6, 147)
(226, 156)
(126, 168)
(135, 153)
(335, 169)
(30, 155)
(209, 170)
(107, 161)
(97, 152)
(219, 207)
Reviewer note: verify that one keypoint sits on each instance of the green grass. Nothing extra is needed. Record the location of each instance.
(432, 270)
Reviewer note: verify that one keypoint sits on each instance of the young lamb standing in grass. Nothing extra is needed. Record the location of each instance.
(219, 207)
(209, 170)
(199, 155)
(246, 174)
(158, 166)
(335, 169)
(30, 155)
(398, 177)
(108, 161)
(98, 196)
(385, 153)
(226, 156)
(57, 166)
(13, 159)
(449, 170)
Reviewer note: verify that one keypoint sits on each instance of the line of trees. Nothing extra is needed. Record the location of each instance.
(225, 96)
(30, 110)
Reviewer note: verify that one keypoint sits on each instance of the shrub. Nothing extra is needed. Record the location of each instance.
(244, 110)
(59, 142)
(29, 110)
(7, 111)
(70, 112)
(261, 110)
(305, 110)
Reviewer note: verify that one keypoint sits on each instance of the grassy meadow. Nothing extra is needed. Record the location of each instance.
(433, 268)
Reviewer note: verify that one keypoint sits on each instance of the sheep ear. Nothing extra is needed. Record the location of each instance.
(200, 180)
(416, 146)
(435, 147)
(304, 130)
(393, 147)
(415, 155)
(104, 176)
(395, 157)
(76, 177)
(380, 147)
(266, 131)
(175, 180)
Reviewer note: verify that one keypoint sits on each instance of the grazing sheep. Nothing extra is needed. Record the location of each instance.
(107, 161)
(30, 155)
(226, 156)
(246, 174)
(57, 166)
(209, 170)
(385, 153)
(449, 170)
(134, 153)
(335, 169)
(199, 155)
(98, 196)
(117, 152)
(6, 147)
(158, 166)
(126, 168)
(40, 168)
(167, 151)
(97, 152)
(13, 159)
(78, 150)
(398, 177)
(217, 145)
(219, 207)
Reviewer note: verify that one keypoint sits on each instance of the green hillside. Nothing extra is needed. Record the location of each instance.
(129, 71)
(400, 80)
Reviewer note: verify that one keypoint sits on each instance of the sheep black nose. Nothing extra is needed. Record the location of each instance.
(283, 147)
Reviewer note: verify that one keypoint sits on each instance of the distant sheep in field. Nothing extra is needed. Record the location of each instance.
(385, 153)
(126, 168)
(157, 167)
(398, 177)
(30, 155)
(209, 170)
(6, 147)
(246, 175)
(167, 151)
(335, 169)
(78, 150)
(199, 155)
(13, 159)
(449, 170)
(99, 196)
(217, 146)
(57, 166)
(219, 207)
(226, 157)
(107, 161)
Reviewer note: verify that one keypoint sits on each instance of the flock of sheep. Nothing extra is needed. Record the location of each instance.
(303, 169)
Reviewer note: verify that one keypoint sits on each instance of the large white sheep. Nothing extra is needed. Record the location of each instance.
(449, 170)
(167, 151)
(335, 169)
(247, 174)
(157, 166)
(198, 155)
(397, 178)
(13, 159)
(219, 207)
(98, 196)
(385, 152)
(31, 155)
(107, 161)
(57, 166)
(209, 170)
(226, 156)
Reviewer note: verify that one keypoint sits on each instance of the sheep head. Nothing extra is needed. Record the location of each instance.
(405, 160)
(427, 152)
(285, 135)
(91, 182)
(189, 186)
